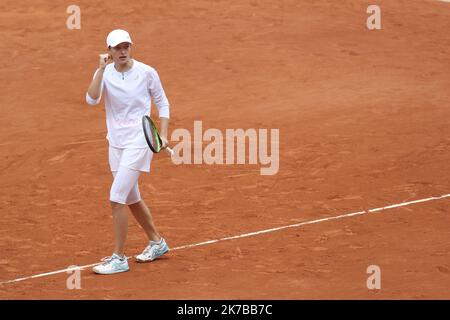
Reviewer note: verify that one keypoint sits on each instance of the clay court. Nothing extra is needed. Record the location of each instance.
(363, 117)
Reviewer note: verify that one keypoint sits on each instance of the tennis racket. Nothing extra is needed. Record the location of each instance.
(152, 136)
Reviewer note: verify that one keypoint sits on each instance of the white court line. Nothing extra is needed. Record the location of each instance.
(296, 225)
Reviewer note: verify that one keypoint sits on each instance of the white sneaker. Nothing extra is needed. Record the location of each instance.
(153, 251)
(111, 265)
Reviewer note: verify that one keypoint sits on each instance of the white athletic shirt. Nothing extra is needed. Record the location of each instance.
(127, 98)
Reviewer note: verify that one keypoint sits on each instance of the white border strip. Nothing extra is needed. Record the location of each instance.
(296, 225)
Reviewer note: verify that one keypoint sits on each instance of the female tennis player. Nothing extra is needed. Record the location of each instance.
(128, 86)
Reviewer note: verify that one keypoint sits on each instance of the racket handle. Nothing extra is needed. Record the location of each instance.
(169, 151)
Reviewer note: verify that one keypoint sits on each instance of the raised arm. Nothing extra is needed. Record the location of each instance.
(94, 91)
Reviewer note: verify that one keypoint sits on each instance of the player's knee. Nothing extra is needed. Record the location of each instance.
(116, 204)
(133, 203)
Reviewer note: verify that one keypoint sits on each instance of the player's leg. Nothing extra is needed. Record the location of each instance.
(142, 213)
(120, 223)
(157, 245)
(125, 180)
(140, 159)
(143, 216)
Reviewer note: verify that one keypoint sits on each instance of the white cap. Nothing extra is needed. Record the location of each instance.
(117, 36)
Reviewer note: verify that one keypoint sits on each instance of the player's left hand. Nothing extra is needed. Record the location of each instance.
(164, 142)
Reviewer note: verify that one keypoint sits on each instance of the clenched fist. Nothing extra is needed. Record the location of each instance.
(105, 58)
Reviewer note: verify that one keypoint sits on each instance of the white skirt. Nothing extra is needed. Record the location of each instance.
(136, 159)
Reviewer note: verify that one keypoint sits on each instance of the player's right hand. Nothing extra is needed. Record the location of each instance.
(105, 58)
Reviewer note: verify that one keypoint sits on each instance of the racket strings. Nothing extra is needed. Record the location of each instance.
(152, 135)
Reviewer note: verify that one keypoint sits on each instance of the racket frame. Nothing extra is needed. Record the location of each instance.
(146, 119)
